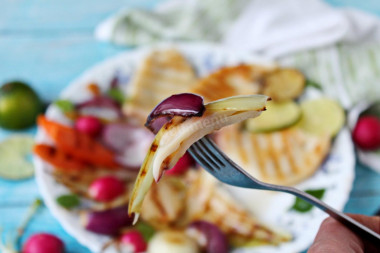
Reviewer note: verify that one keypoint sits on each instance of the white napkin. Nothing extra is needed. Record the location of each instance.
(270, 27)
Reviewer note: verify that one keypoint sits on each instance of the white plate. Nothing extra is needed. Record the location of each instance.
(335, 175)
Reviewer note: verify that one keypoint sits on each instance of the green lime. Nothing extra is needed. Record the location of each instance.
(15, 157)
(322, 116)
(19, 106)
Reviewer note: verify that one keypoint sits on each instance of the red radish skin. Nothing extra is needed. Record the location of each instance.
(366, 134)
(106, 189)
(43, 243)
(88, 125)
(182, 165)
(134, 239)
(108, 222)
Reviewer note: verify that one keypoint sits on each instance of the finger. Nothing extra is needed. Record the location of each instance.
(372, 223)
(334, 237)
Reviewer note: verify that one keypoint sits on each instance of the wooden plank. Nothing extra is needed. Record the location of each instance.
(19, 16)
(43, 221)
(51, 62)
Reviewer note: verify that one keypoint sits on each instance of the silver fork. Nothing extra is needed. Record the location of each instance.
(212, 159)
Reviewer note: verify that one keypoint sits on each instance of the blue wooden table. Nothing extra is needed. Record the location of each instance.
(49, 43)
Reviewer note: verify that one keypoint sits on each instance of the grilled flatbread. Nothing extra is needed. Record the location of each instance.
(283, 157)
(161, 74)
(231, 81)
(175, 203)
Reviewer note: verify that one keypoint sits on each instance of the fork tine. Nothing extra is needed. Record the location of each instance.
(200, 147)
(203, 160)
(206, 145)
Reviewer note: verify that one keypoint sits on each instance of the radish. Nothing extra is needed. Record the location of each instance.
(183, 164)
(134, 239)
(106, 189)
(88, 125)
(43, 243)
(366, 134)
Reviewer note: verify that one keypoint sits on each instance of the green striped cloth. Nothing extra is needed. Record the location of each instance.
(350, 73)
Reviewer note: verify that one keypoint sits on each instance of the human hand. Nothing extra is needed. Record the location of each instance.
(335, 237)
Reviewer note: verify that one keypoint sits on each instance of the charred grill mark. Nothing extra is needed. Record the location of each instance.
(155, 199)
(153, 147)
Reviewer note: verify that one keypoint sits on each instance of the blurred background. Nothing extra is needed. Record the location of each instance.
(47, 44)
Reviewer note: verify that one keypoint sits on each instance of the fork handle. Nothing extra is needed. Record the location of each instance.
(356, 227)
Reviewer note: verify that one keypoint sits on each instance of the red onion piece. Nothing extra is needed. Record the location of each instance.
(216, 241)
(131, 143)
(183, 104)
(108, 222)
(101, 107)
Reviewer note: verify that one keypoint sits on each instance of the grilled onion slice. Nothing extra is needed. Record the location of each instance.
(177, 135)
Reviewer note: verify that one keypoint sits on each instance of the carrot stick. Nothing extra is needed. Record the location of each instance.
(78, 145)
(57, 158)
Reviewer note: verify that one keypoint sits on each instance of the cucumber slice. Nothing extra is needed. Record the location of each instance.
(322, 116)
(276, 117)
(284, 84)
(15, 157)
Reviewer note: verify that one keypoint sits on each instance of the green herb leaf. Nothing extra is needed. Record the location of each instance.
(68, 201)
(116, 94)
(146, 230)
(303, 206)
(310, 83)
(65, 105)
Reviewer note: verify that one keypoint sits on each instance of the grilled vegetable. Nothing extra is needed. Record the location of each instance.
(108, 222)
(129, 142)
(216, 241)
(172, 242)
(184, 104)
(284, 84)
(58, 158)
(278, 116)
(322, 116)
(134, 240)
(77, 145)
(106, 189)
(172, 141)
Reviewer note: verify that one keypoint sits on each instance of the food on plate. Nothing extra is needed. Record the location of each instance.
(279, 115)
(106, 189)
(15, 152)
(43, 243)
(19, 105)
(95, 148)
(133, 241)
(322, 116)
(161, 74)
(242, 79)
(366, 133)
(282, 157)
(88, 125)
(172, 242)
(78, 145)
(107, 222)
(283, 84)
(177, 135)
(208, 236)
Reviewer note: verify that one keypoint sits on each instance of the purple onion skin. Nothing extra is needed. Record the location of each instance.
(183, 104)
(108, 222)
(101, 101)
(216, 240)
